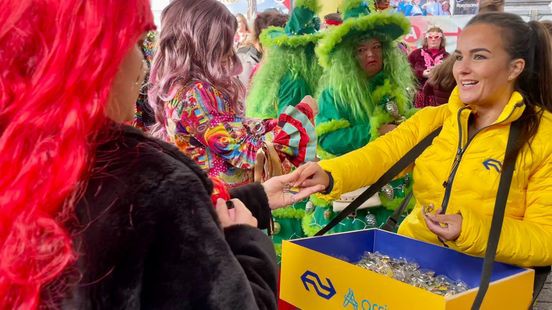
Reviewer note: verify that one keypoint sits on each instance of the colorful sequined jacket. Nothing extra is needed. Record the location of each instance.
(461, 175)
(205, 126)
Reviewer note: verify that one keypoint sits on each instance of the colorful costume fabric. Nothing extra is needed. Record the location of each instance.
(145, 116)
(353, 107)
(288, 72)
(205, 127)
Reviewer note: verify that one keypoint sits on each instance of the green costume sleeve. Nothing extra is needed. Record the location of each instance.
(292, 90)
(337, 134)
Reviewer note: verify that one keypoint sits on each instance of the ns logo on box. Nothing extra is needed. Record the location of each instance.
(325, 289)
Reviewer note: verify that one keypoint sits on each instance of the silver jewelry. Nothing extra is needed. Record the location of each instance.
(388, 191)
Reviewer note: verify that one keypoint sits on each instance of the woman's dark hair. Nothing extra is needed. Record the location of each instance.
(266, 19)
(530, 42)
(441, 76)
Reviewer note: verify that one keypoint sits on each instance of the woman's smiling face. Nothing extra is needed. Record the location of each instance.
(483, 69)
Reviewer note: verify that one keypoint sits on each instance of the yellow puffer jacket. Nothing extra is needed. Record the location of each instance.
(526, 238)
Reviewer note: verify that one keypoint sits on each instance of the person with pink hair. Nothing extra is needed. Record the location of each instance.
(198, 98)
(93, 213)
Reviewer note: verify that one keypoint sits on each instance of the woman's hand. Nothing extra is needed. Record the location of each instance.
(236, 215)
(426, 73)
(446, 226)
(310, 174)
(280, 192)
(385, 128)
(311, 103)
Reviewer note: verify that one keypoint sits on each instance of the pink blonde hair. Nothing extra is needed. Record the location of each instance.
(58, 60)
(195, 43)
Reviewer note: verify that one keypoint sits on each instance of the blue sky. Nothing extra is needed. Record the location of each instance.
(241, 6)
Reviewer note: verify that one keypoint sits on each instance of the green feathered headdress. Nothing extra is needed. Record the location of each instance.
(363, 96)
(289, 54)
(358, 23)
(301, 29)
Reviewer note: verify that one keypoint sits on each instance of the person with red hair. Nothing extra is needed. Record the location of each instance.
(94, 214)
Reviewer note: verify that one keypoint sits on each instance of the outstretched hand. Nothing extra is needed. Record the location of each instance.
(310, 174)
(281, 193)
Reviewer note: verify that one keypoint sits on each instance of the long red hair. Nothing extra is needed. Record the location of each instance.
(58, 60)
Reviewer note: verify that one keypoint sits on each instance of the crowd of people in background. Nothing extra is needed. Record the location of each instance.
(422, 8)
(251, 52)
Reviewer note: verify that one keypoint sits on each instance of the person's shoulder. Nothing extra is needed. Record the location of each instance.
(199, 85)
(132, 156)
(433, 114)
(201, 90)
(132, 171)
(415, 54)
(541, 141)
(545, 126)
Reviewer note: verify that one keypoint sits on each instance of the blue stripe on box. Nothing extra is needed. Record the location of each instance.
(455, 265)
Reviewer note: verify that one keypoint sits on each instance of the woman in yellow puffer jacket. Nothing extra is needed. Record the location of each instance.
(503, 71)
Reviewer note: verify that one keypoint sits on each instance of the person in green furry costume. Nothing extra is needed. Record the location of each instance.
(365, 91)
(289, 70)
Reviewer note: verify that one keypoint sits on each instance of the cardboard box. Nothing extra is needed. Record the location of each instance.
(319, 273)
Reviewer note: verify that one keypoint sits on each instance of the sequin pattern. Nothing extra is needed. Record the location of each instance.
(204, 125)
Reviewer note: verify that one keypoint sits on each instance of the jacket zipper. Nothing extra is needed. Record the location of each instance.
(459, 153)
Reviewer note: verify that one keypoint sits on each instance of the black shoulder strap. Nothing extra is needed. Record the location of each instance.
(498, 214)
(393, 220)
(387, 177)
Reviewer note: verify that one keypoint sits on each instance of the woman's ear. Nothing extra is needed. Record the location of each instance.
(516, 68)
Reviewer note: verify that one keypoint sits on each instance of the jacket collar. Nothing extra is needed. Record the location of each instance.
(512, 111)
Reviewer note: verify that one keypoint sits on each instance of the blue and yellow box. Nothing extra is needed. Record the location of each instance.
(319, 273)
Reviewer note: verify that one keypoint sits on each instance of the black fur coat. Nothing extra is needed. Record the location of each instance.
(148, 236)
